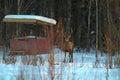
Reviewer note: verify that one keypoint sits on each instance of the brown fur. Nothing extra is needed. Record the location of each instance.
(68, 47)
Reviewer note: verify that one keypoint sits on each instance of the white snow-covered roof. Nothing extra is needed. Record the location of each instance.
(29, 19)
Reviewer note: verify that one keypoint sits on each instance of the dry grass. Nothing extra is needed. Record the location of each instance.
(51, 66)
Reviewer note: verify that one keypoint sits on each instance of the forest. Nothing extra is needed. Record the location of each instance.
(95, 23)
(92, 50)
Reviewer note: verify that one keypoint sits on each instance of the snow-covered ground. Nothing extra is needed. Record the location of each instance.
(83, 68)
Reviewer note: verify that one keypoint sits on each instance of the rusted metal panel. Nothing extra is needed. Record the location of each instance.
(43, 45)
(31, 45)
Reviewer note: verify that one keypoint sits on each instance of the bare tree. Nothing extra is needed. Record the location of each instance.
(96, 31)
(88, 31)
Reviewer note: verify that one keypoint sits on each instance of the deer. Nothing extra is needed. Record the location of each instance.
(68, 47)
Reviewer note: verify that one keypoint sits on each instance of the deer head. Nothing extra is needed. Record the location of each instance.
(67, 35)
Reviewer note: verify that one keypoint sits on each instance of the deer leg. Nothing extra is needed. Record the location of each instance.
(72, 56)
(65, 57)
(69, 57)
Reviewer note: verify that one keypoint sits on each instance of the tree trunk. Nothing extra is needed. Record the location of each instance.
(96, 31)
